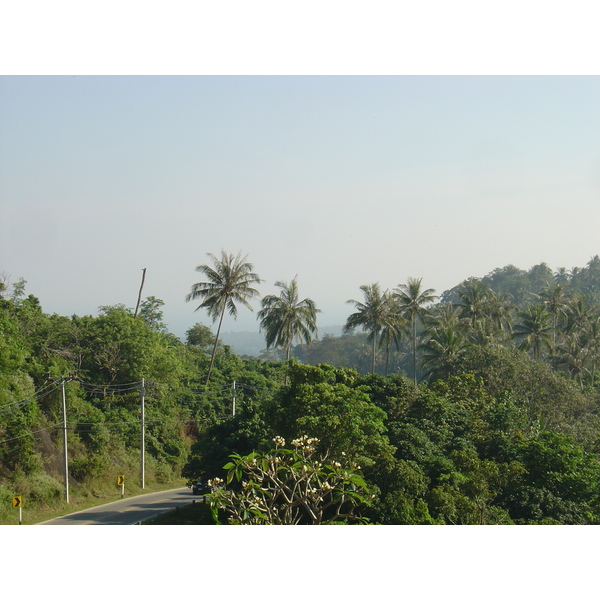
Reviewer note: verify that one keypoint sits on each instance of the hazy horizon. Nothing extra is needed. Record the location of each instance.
(340, 180)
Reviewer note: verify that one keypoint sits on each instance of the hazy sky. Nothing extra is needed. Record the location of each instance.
(341, 180)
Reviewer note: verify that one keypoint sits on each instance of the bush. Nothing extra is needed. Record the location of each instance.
(39, 488)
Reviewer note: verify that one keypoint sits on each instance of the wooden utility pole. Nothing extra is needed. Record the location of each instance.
(137, 307)
(142, 436)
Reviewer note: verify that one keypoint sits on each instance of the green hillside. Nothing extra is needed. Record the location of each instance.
(501, 426)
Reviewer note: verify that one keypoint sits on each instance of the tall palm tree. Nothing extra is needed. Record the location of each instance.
(394, 326)
(473, 300)
(592, 345)
(445, 339)
(534, 329)
(577, 347)
(561, 277)
(442, 348)
(573, 354)
(500, 314)
(285, 318)
(579, 310)
(229, 283)
(412, 299)
(555, 302)
(370, 315)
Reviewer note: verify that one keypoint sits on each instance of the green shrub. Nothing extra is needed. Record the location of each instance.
(38, 488)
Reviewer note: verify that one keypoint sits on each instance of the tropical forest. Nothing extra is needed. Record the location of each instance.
(477, 405)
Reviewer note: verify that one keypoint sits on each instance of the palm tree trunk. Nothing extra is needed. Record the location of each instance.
(387, 358)
(415, 349)
(374, 350)
(287, 362)
(212, 358)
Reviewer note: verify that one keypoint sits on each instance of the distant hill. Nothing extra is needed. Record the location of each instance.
(252, 343)
(244, 342)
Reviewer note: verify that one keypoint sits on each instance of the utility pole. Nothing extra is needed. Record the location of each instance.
(137, 307)
(64, 412)
(66, 462)
(142, 436)
(233, 400)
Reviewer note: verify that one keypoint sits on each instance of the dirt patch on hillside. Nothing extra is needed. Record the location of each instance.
(52, 458)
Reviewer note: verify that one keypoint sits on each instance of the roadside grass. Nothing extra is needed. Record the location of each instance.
(80, 498)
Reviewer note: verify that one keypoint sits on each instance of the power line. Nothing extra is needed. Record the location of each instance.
(216, 393)
(32, 433)
(37, 395)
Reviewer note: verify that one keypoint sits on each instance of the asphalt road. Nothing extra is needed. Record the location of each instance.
(129, 511)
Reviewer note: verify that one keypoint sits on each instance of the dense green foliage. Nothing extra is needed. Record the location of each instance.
(452, 452)
(502, 427)
(105, 359)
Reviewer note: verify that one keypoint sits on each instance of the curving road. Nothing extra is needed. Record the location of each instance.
(129, 511)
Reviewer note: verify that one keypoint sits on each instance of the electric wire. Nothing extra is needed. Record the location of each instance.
(215, 393)
(37, 395)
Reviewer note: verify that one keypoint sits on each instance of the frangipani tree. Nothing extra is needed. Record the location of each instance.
(289, 487)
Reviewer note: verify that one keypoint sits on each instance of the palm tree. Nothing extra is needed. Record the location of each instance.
(286, 318)
(445, 340)
(229, 283)
(473, 300)
(534, 329)
(573, 354)
(370, 315)
(412, 300)
(499, 312)
(555, 301)
(592, 345)
(579, 311)
(561, 277)
(577, 346)
(442, 349)
(394, 326)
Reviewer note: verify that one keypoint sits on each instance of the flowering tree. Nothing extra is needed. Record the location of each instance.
(288, 487)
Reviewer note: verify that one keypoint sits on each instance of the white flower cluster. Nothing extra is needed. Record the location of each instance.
(279, 441)
(304, 442)
(214, 483)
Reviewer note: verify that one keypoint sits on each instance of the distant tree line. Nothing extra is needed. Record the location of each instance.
(553, 316)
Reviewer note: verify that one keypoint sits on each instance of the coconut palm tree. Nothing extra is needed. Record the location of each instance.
(445, 339)
(534, 329)
(561, 277)
(573, 355)
(555, 301)
(412, 298)
(370, 315)
(592, 346)
(229, 283)
(285, 318)
(578, 345)
(500, 315)
(442, 348)
(579, 311)
(393, 328)
(473, 301)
